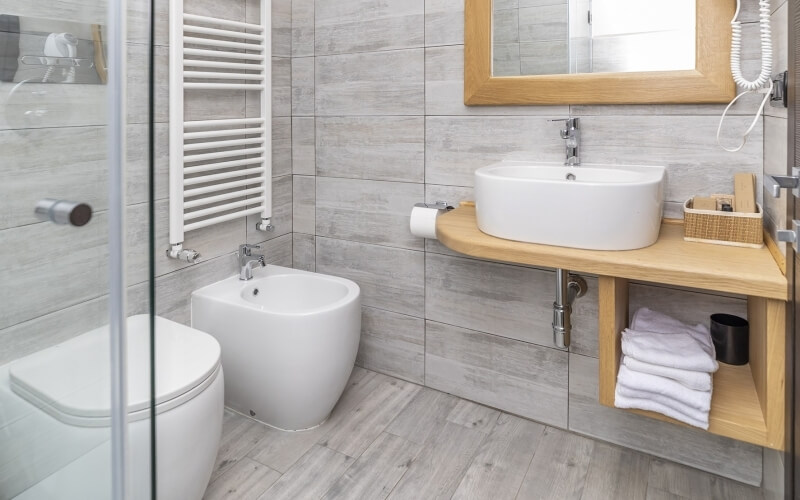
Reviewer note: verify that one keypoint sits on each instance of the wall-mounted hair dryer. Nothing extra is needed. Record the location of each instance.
(57, 46)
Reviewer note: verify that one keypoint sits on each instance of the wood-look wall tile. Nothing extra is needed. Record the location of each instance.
(514, 376)
(510, 301)
(686, 145)
(304, 252)
(390, 278)
(138, 22)
(545, 22)
(303, 204)
(349, 26)
(689, 446)
(444, 88)
(304, 156)
(281, 146)
(367, 211)
(456, 146)
(282, 81)
(377, 83)
(548, 57)
(137, 92)
(303, 86)
(44, 105)
(505, 59)
(81, 11)
(32, 288)
(505, 26)
(281, 213)
(63, 163)
(234, 10)
(302, 28)
(389, 148)
(444, 22)
(499, 467)
(281, 24)
(393, 344)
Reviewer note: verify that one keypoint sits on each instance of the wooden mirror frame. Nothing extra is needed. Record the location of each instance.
(709, 82)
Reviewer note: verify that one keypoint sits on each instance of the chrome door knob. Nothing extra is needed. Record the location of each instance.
(63, 212)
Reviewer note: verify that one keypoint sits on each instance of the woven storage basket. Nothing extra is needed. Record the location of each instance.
(723, 228)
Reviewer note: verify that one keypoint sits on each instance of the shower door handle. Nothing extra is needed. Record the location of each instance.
(63, 212)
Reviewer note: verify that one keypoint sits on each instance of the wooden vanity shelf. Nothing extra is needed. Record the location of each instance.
(749, 401)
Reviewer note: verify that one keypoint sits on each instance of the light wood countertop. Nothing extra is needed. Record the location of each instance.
(671, 260)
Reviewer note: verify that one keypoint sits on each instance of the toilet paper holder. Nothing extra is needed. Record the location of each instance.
(439, 205)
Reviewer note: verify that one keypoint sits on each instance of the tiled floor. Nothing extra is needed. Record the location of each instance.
(392, 439)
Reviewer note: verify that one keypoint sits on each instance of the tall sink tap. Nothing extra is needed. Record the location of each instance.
(571, 133)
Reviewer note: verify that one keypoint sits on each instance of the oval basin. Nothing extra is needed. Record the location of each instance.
(597, 207)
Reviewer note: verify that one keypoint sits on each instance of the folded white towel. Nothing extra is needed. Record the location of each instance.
(678, 406)
(650, 405)
(699, 381)
(674, 350)
(647, 320)
(699, 400)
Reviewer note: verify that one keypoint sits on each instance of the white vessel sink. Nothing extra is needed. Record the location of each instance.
(597, 207)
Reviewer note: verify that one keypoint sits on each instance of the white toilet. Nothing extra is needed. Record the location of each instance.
(289, 342)
(70, 382)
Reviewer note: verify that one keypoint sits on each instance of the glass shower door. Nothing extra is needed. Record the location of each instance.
(64, 281)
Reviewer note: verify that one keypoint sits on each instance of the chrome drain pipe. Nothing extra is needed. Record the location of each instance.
(568, 288)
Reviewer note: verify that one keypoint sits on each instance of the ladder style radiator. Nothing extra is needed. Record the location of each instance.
(219, 170)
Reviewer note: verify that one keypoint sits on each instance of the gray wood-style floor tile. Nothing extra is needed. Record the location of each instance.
(558, 469)
(246, 480)
(313, 475)
(440, 467)
(377, 471)
(424, 416)
(616, 473)
(366, 422)
(502, 461)
(388, 438)
(667, 478)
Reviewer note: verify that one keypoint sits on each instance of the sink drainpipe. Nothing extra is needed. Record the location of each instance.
(568, 288)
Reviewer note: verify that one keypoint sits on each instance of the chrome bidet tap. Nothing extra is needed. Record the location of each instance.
(247, 259)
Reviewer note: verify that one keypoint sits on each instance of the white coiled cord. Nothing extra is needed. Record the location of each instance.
(761, 85)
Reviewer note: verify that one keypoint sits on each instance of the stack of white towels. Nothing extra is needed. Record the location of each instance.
(667, 367)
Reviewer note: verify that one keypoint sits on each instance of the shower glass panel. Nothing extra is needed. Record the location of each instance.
(75, 392)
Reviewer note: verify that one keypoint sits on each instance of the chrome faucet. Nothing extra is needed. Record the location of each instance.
(571, 133)
(246, 260)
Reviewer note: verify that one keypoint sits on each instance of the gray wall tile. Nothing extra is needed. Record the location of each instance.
(367, 211)
(378, 83)
(444, 22)
(398, 287)
(304, 252)
(303, 204)
(393, 344)
(303, 86)
(303, 146)
(390, 148)
(302, 28)
(514, 376)
(349, 26)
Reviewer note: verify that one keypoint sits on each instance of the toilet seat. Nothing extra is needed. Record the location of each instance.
(71, 381)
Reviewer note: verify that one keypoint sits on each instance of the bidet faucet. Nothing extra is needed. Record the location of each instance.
(571, 133)
(246, 260)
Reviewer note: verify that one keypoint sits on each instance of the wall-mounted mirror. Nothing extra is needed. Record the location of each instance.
(597, 51)
(36, 50)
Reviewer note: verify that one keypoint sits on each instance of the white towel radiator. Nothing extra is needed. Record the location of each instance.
(219, 170)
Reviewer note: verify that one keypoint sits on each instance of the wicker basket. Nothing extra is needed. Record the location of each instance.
(723, 228)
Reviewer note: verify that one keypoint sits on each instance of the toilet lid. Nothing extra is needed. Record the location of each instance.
(71, 381)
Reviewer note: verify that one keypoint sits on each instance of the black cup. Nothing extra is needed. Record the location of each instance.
(731, 336)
